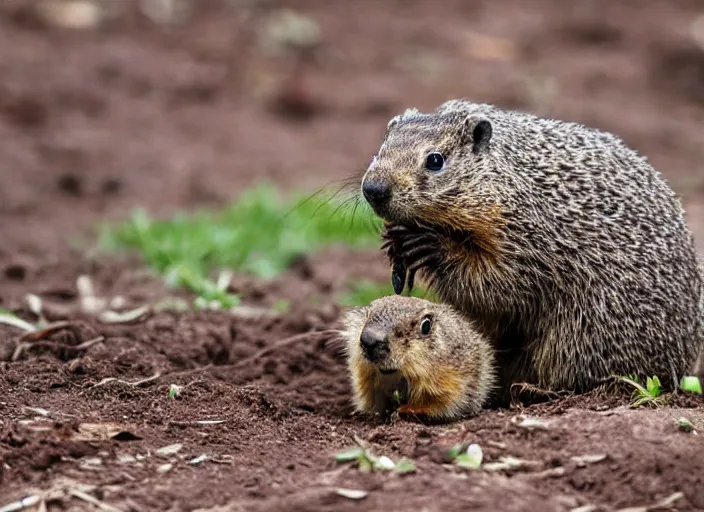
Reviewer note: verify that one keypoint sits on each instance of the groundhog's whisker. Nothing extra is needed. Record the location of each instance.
(354, 210)
(337, 344)
(340, 190)
(344, 185)
(343, 205)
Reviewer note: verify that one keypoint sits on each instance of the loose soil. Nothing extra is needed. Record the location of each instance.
(94, 123)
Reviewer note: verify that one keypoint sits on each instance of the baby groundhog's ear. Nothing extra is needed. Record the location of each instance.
(393, 122)
(476, 131)
(409, 112)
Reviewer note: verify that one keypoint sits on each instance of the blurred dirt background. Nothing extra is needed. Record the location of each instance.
(175, 104)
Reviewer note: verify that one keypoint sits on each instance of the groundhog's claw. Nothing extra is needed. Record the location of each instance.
(398, 277)
(398, 271)
(408, 250)
(410, 280)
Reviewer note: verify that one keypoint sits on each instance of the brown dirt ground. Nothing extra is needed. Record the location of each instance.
(93, 123)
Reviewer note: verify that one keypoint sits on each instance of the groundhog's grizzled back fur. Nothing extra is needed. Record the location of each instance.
(568, 249)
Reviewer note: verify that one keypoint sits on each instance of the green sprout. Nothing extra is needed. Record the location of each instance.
(368, 462)
(9, 318)
(644, 395)
(685, 425)
(211, 295)
(174, 391)
(469, 458)
(692, 384)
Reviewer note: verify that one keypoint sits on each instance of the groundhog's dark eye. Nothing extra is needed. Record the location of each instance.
(435, 162)
(425, 326)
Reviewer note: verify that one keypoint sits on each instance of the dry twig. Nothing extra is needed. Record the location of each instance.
(282, 343)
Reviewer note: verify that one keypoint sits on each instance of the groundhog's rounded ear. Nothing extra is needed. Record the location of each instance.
(477, 131)
(409, 112)
(390, 125)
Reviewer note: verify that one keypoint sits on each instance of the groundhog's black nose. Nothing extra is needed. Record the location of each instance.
(376, 191)
(373, 343)
(370, 339)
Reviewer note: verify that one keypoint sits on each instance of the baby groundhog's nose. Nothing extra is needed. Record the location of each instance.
(372, 342)
(376, 191)
(370, 339)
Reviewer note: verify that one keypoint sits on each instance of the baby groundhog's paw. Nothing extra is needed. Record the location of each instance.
(408, 250)
(407, 410)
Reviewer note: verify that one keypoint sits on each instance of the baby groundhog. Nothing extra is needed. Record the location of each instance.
(566, 248)
(417, 357)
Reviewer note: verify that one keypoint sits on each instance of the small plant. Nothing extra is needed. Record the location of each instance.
(211, 295)
(260, 233)
(685, 425)
(650, 393)
(469, 458)
(368, 462)
(691, 384)
(9, 318)
(174, 391)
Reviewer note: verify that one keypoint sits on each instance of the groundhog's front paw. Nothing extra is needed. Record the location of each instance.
(409, 250)
(414, 413)
(407, 409)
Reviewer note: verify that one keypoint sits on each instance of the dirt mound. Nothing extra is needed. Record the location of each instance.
(90, 402)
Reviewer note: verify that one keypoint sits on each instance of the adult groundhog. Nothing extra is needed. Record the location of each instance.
(565, 247)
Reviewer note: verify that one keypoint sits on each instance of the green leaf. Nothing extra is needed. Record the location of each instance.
(472, 458)
(643, 394)
(8, 318)
(653, 386)
(692, 384)
(405, 466)
(365, 465)
(174, 391)
(351, 454)
(456, 450)
(685, 425)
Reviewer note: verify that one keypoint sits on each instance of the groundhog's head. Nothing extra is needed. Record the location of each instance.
(437, 170)
(398, 334)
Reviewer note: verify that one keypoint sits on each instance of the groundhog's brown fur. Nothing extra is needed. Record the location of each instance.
(565, 247)
(445, 372)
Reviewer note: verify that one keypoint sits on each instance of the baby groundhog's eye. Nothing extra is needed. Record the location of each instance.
(435, 161)
(425, 326)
